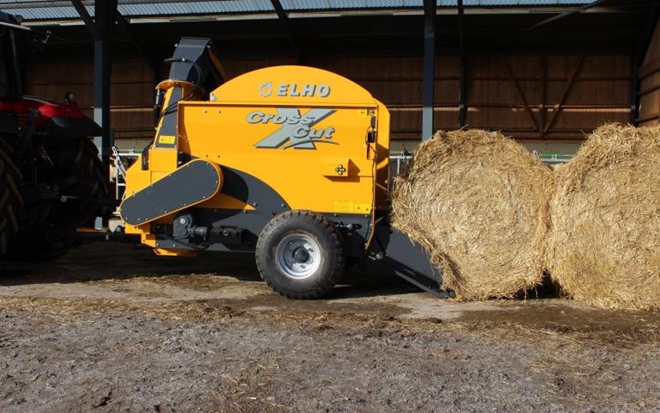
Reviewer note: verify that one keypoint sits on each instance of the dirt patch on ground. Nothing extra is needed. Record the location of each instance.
(113, 328)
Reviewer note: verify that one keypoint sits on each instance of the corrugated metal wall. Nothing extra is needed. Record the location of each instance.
(549, 98)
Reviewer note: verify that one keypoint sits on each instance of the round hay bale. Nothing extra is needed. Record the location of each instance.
(477, 201)
(604, 242)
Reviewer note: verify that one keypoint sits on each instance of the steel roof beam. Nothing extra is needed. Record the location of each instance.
(65, 3)
(568, 13)
(125, 26)
(361, 4)
(86, 18)
(286, 26)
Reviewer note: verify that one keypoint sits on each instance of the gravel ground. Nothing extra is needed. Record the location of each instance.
(114, 329)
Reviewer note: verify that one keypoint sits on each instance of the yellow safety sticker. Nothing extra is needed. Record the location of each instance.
(342, 206)
(166, 139)
(351, 207)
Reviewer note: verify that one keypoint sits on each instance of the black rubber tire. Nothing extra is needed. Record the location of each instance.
(80, 173)
(306, 224)
(40, 242)
(11, 200)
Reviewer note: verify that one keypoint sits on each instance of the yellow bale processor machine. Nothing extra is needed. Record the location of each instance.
(289, 163)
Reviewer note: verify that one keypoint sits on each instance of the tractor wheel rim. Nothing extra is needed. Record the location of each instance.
(298, 256)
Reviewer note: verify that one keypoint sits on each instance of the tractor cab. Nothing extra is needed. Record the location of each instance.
(10, 79)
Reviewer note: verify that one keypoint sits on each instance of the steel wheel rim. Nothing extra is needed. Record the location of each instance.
(298, 256)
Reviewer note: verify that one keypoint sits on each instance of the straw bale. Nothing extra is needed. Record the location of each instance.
(477, 201)
(604, 242)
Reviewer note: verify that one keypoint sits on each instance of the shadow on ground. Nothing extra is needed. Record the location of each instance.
(109, 261)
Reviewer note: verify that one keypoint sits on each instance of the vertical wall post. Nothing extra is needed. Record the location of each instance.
(462, 106)
(544, 96)
(634, 92)
(429, 69)
(104, 16)
(637, 60)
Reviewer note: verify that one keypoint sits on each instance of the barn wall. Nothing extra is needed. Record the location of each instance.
(566, 96)
(546, 99)
(649, 91)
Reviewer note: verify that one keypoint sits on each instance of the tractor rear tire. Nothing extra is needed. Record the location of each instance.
(300, 255)
(80, 173)
(11, 200)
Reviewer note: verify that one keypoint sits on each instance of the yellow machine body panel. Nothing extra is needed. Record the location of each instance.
(317, 139)
(305, 132)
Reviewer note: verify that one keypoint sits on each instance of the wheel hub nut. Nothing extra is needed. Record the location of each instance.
(300, 255)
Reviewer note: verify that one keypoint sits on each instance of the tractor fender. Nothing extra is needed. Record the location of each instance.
(61, 122)
(62, 129)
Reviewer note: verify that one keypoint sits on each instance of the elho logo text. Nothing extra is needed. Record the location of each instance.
(294, 90)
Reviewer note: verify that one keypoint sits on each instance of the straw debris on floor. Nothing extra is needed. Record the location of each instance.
(477, 201)
(604, 243)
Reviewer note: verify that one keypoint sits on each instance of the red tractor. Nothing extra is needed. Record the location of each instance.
(46, 156)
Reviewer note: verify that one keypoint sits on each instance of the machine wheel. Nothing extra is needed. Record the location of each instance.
(11, 200)
(80, 173)
(300, 255)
